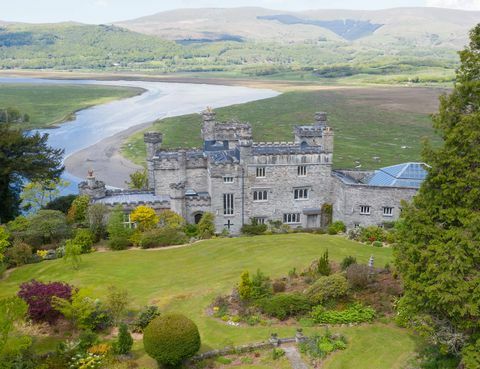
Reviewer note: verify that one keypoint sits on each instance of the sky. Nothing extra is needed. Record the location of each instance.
(107, 11)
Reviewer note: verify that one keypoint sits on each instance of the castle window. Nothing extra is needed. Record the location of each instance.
(127, 222)
(260, 172)
(300, 193)
(387, 211)
(227, 179)
(356, 225)
(302, 170)
(260, 195)
(291, 218)
(259, 220)
(228, 204)
(365, 210)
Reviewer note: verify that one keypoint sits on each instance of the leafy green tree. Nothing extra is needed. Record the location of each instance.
(117, 302)
(438, 252)
(206, 226)
(144, 217)
(4, 242)
(117, 232)
(78, 309)
(61, 203)
(36, 195)
(46, 227)
(23, 158)
(78, 211)
(171, 219)
(138, 180)
(97, 216)
(12, 311)
(73, 252)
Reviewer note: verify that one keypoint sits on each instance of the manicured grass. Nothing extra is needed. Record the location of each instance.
(370, 126)
(187, 279)
(51, 104)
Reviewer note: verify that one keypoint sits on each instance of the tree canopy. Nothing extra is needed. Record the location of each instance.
(438, 254)
(23, 157)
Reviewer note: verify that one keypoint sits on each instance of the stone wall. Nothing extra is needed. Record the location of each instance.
(348, 198)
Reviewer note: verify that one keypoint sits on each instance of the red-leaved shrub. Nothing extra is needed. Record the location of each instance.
(38, 297)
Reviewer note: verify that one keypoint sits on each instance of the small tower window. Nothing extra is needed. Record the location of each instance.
(302, 170)
(260, 172)
(227, 179)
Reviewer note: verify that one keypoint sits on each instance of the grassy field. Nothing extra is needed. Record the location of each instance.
(187, 279)
(373, 126)
(52, 104)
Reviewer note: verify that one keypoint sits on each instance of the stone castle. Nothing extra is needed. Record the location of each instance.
(239, 180)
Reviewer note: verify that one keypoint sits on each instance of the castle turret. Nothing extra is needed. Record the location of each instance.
(318, 134)
(92, 187)
(208, 126)
(153, 142)
(245, 148)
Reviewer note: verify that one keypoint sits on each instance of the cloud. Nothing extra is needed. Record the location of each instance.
(455, 4)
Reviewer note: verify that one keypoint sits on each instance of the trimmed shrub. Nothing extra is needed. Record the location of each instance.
(119, 243)
(284, 305)
(371, 234)
(19, 254)
(356, 313)
(38, 297)
(377, 244)
(124, 342)
(165, 236)
(357, 275)
(171, 339)
(146, 316)
(347, 261)
(320, 346)
(327, 288)
(336, 228)
(254, 228)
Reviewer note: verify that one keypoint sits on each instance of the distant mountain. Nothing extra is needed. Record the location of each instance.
(422, 26)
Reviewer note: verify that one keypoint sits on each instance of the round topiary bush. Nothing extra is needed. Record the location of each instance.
(170, 339)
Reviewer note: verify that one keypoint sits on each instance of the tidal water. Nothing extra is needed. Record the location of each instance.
(159, 100)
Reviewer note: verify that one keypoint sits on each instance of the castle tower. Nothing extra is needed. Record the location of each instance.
(153, 142)
(245, 148)
(318, 134)
(92, 188)
(208, 126)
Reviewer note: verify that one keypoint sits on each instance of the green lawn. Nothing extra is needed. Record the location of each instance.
(51, 104)
(187, 279)
(368, 129)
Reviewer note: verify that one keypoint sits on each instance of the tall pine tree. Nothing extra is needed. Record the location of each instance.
(438, 254)
(23, 158)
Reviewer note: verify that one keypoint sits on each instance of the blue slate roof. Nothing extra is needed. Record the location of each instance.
(224, 156)
(400, 175)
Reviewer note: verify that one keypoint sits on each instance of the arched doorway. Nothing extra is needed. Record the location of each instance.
(197, 217)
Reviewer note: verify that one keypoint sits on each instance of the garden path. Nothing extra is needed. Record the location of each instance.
(294, 357)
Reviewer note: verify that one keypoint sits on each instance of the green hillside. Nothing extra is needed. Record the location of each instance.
(314, 53)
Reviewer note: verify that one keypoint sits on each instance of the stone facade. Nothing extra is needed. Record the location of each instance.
(239, 180)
